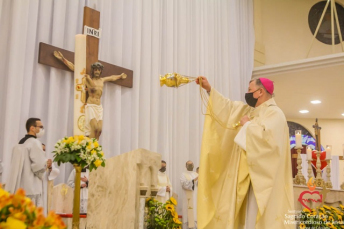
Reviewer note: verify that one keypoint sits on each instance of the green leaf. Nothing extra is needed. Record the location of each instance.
(72, 157)
(78, 159)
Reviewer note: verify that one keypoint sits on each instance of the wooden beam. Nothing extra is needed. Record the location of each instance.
(91, 19)
(46, 57)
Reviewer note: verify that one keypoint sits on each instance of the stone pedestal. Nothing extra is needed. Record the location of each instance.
(62, 199)
(114, 191)
(68, 220)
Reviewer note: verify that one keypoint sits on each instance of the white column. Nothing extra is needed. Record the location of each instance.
(142, 212)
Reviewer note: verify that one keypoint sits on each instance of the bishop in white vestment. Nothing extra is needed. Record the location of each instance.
(245, 180)
(189, 182)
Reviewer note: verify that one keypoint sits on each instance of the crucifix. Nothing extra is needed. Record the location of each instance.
(317, 129)
(89, 74)
(318, 180)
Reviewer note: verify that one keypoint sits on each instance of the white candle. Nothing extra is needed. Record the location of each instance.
(298, 139)
(328, 152)
(309, 153)
(79, 73)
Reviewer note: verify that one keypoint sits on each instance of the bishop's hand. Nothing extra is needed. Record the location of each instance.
(244, 120)
(205, 83)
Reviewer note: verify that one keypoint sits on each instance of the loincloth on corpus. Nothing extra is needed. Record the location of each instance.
(92, 111)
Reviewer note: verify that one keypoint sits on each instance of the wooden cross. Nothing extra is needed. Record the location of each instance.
(317, 129)
(91, 19)
(87, 55)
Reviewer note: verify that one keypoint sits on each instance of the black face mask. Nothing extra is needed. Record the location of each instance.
(163, 169)
(250, 100)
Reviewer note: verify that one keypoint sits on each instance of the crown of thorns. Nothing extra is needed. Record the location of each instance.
(97, 65)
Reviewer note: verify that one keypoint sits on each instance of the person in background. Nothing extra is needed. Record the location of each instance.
(189, 182)
(83, 187)
(164, 184)
(29, 164)
(51, 173)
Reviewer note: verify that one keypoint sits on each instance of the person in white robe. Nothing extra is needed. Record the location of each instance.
(83, 187)
(164, 184)
(189, 182)
(28, 163)
(51, 173)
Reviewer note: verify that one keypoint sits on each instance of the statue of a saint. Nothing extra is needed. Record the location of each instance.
(94, 87)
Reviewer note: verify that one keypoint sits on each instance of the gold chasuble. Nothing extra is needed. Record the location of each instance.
(227, 171)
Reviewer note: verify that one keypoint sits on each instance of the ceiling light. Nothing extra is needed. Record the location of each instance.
(315, 101)
(303, 111)
(343, 114)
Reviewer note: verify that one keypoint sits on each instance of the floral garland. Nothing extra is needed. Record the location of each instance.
(79, 150)
(323, 217)
(18, 212)
(162, 215)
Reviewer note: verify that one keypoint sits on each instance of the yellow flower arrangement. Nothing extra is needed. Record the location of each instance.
(18, 212)
(169, 207)
(322, 217)
(174, 214)
(306, 210)
(330, 225)
(79, 150)
(327, 207)
(173, 201)
(176, 221)
(162, 215)
(97, 163)
(96, 144)
(302, 226)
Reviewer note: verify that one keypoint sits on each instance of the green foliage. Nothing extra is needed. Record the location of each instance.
(162, 216)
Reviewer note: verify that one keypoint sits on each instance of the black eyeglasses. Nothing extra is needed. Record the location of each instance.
(40, 127)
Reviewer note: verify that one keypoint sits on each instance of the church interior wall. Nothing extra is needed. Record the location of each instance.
(332, 133)
(282, 32)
